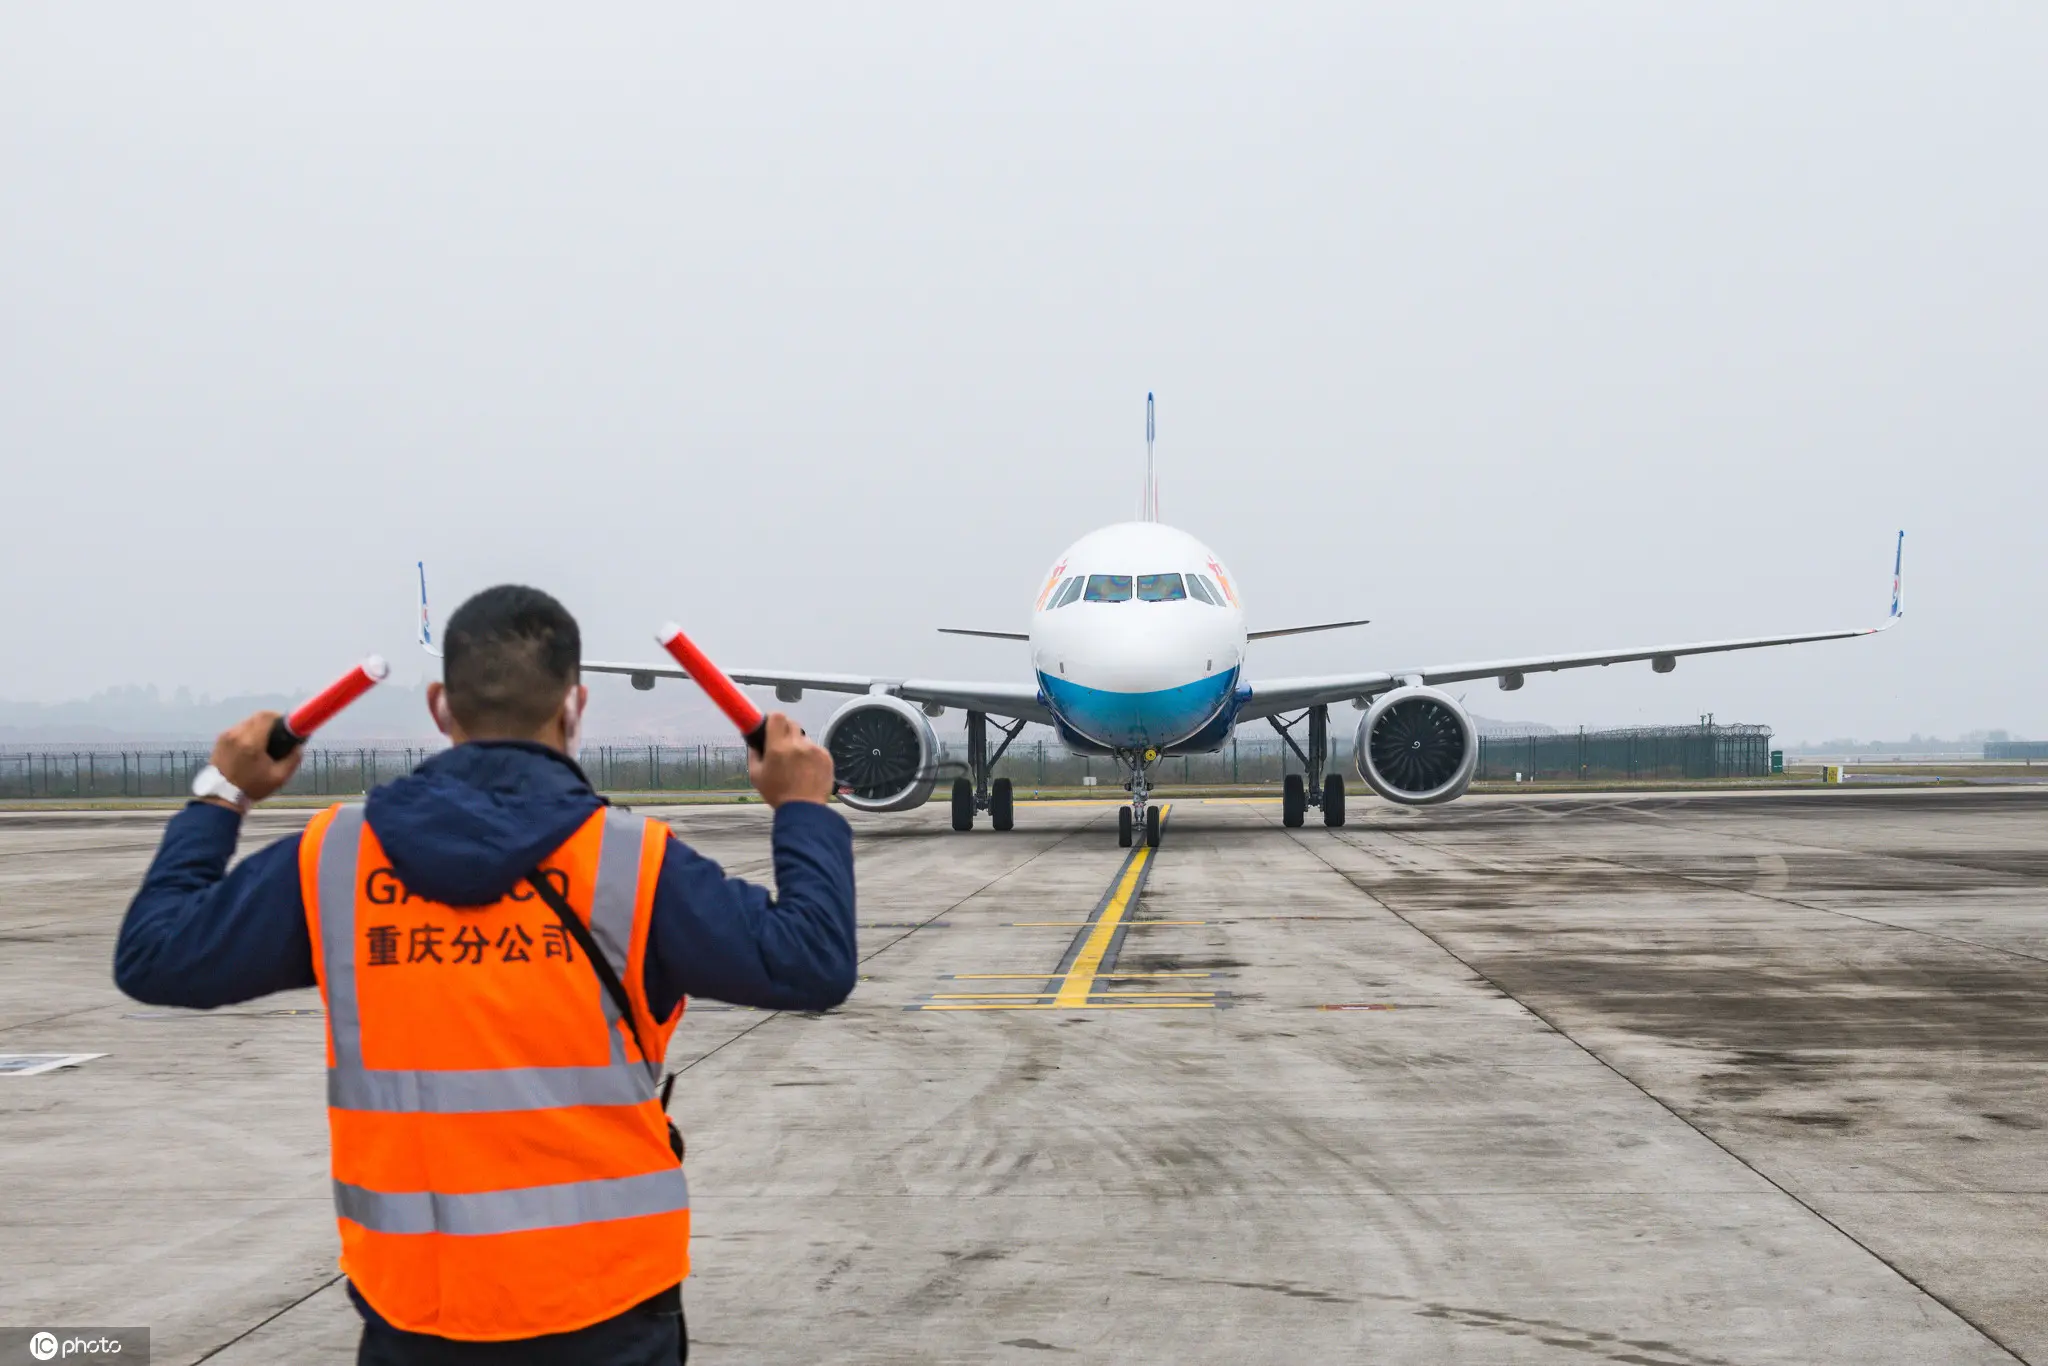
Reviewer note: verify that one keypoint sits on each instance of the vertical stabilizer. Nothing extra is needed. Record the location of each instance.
(1148, 508)
(1898, 582)
(426, 627)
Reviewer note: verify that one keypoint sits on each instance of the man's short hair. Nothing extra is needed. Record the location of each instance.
(511, 653)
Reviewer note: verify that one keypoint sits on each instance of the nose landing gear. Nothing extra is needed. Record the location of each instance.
(1140, 814)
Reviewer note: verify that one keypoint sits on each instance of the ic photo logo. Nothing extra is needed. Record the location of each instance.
(47, 1346)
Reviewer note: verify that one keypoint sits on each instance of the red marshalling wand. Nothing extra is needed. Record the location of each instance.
(737, 706)
(287, 733)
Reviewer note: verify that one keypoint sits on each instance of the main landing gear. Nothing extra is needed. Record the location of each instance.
(1300, 791)
(979, 792)
(1140, 814)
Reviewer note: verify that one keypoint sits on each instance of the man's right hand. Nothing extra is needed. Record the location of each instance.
(791, 767)
(242, 759)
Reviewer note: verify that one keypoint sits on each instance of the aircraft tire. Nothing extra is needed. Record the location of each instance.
(1151, 827)
(1002, 804)
(1123, 827)
(963, 804)
(1333, 800)
(1293, 801)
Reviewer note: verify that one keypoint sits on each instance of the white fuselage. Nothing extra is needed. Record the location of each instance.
(1137, 639)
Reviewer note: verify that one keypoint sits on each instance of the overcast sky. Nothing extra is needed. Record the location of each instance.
(1515, 328)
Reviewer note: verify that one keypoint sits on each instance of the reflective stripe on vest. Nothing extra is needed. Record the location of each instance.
(352, 1086)
(513, 1211)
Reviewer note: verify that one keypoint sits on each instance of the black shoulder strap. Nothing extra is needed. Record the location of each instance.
(580, 932)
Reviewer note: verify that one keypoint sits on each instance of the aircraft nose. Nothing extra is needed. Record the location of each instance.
(1135, 647)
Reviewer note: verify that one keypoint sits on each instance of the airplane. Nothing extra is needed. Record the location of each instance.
(1138, 649)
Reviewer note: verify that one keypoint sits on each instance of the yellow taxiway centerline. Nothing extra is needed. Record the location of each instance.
(1077, 924)
(1080, 979)
(1047, 996)
(1048, 976)
(1076, 988)
(1083, 1005)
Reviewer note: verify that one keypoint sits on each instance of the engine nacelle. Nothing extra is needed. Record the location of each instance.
(884, 750)
(1417, 746)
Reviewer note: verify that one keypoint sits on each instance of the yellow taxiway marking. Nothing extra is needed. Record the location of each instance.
(1048, 976)
(1083, 1005)
(1077, 924)
(1077, 989)
(1080, 978)
(1047, 996)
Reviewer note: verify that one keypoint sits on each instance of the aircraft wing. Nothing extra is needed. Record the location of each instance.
(1016, 700)
(1001, 699)
(1291, 694)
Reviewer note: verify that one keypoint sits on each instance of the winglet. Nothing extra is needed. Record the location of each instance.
(426, 627)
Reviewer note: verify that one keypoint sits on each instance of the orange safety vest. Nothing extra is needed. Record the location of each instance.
(501, 1162)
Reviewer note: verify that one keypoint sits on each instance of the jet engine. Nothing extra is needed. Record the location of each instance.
(884, 752)
(1417, 746)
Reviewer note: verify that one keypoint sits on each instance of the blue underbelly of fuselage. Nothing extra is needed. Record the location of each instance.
(1098, 720)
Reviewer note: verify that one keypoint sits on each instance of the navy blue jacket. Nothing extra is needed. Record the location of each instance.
(464, 829)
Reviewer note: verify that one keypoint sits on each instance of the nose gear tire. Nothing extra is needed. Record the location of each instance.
(1123, 827)
(1151, 827)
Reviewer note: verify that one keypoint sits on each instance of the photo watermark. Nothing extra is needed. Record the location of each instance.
(32, 1346)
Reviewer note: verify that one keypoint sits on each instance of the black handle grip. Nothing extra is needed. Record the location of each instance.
(283, 739)
(757, 738)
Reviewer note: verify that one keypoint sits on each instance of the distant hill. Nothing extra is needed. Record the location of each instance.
(137, 714)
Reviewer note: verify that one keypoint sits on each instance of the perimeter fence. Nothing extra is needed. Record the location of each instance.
(87, 773)
(1642, 752)
(1703, 751)
(2016, 751)
(98, 772)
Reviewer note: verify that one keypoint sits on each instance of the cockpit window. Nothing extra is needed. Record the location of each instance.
(1108, 588)
(1068, 591)
(1160, 588)
(1199, 591)
(1215, 593)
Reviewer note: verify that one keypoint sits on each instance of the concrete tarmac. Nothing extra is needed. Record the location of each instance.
(1684, 1080)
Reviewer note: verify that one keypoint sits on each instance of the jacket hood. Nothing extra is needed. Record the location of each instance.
(469, 824)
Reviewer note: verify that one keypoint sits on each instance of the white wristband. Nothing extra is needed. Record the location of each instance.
(211, 782)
